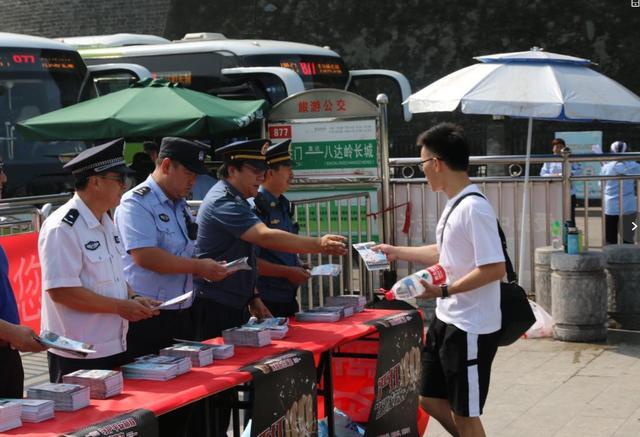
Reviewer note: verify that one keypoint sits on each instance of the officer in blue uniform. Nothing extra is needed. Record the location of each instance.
(280, 272)
(228, 229)
(159, 233)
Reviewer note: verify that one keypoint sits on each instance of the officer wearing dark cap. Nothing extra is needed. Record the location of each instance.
(85, 295)
(159, 234)
(228, 229)
(280, 272)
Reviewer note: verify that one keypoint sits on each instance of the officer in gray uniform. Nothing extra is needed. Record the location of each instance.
(158, 232)
(228, 229)
(280, 272)
(84, 293)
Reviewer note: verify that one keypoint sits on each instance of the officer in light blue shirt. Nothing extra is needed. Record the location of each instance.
(612, 196)
(159, 233)
(280, 272)
(555, 169)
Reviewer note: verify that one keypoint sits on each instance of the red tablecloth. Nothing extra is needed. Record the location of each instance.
(161, 397)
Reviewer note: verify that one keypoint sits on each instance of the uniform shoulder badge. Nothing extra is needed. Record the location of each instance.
(71, 216)
(142, 190)
(92, 245)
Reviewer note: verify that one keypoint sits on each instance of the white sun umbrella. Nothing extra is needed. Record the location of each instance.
(534, 85)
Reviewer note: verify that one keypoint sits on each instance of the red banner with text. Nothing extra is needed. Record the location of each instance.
(24, 275)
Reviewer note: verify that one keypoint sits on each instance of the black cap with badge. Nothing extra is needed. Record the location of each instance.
(280, 154)
(99, 159)
(189, 153)
(251, 151)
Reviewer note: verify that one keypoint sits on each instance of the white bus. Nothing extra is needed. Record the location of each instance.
(39, 75)
(234, 68)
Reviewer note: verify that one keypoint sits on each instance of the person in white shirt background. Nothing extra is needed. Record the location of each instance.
(611, 201)
(462, 339)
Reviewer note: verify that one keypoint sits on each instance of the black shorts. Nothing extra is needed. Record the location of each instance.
(456, 366)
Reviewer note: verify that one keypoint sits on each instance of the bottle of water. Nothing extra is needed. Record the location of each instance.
(410, 286)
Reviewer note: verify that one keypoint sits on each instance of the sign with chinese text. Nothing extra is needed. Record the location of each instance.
(331, 149)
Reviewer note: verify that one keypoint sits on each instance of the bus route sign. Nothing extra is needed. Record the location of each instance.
(331, 149)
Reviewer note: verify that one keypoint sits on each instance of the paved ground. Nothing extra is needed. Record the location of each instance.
(542, 388)
(550, 388)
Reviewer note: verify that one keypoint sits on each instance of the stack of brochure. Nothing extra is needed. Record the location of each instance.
(61, 343)
(36, 410)
(66, 397)
(355, 301)
(10, 412)
(103, 384)
(372, 260)
(247, 337)
(277, 326)
(219, 351)
(324, 314)
(183, 363)
(200, 355)
(151, 371)
(222, 351)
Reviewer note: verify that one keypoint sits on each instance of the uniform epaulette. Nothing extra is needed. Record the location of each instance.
(71, 216)
(142, 191)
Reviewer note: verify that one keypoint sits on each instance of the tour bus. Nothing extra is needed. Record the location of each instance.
(236, 68)
(39, 75)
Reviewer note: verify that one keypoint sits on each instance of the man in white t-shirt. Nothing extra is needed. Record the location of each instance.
(462, 338)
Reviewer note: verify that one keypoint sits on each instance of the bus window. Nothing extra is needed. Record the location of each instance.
(33, 82)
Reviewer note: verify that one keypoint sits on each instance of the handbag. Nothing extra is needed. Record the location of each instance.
(517, 315)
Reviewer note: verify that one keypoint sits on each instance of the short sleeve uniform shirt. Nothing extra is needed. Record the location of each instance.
(146, 217)
(77, 250)
(222, 218)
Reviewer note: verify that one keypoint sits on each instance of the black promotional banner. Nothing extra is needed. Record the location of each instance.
(395, 406)
(137, 423)
(284, 401)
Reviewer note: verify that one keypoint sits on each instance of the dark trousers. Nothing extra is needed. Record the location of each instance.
(11, 373)
(282, 309)
(150, 335)
(59, 366)
(211, 318)
(574, 203)
(611, 228)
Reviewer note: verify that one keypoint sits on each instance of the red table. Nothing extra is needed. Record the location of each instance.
(161, 397)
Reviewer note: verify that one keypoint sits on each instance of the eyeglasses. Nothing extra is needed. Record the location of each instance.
(423, 162)
(256, 171)
(122, 178)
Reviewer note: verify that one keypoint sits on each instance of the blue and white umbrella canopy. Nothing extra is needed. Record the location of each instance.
(532, 84)
(536, 85)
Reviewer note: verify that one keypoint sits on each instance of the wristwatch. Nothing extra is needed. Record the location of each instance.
(445, 291)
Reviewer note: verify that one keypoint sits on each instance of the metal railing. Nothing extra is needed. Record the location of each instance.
(550, 200)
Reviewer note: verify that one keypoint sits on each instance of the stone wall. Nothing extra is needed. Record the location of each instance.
(423, 39)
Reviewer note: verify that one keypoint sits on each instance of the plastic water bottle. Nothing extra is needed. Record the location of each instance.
(556, 230)
(410, 286)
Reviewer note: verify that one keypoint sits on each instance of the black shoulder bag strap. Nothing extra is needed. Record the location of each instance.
(511, 274)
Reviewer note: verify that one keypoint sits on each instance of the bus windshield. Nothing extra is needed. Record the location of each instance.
(34, 82)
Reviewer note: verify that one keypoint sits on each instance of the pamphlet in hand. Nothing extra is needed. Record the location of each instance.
(55, 341)
(372, 260)
(238, 264)
(176, 300)
(326, 270)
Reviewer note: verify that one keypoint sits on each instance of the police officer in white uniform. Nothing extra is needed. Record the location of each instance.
(85, 296)
(159, 233)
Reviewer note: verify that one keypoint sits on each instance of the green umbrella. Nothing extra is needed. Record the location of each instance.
(149, 108)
